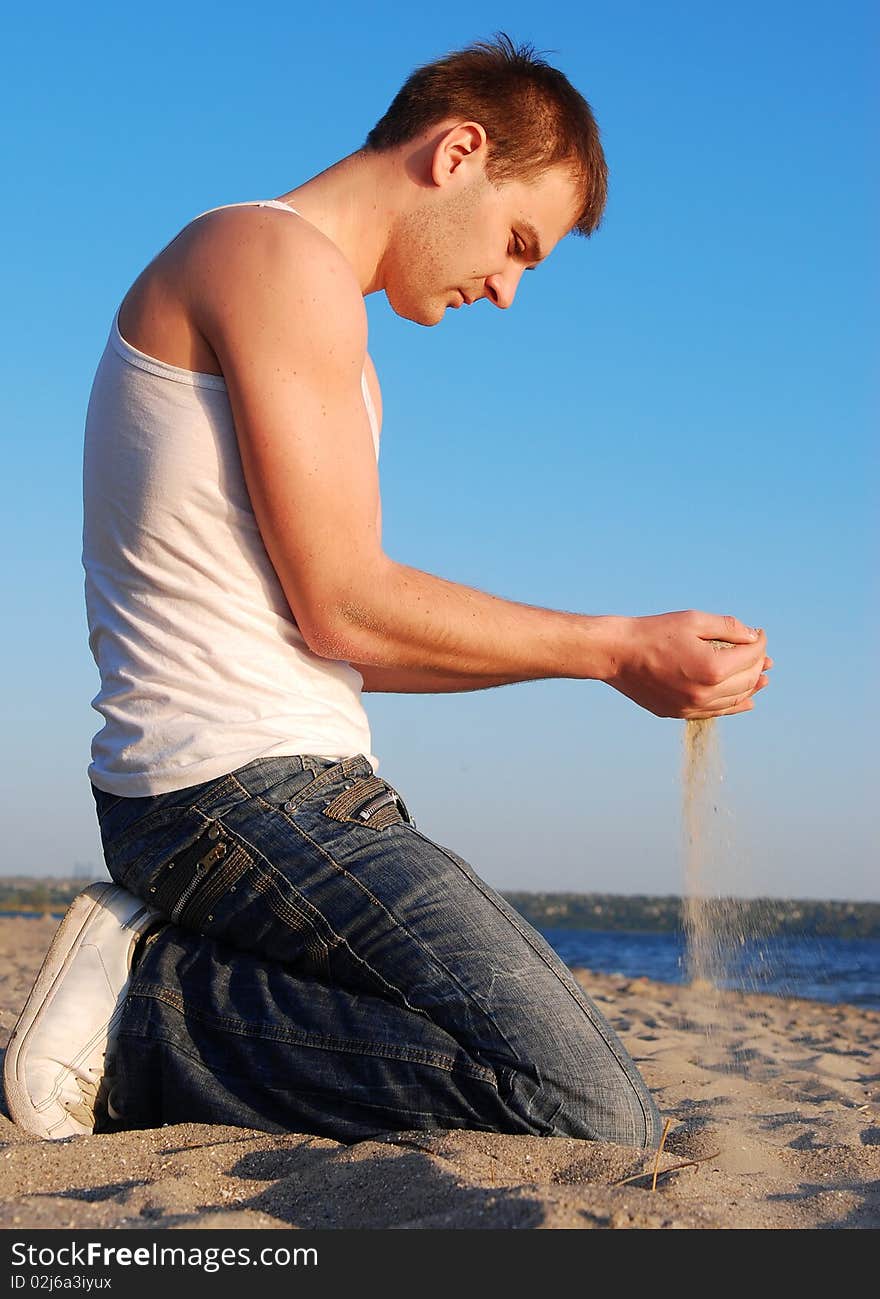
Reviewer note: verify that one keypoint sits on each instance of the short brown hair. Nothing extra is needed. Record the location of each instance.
(533, 117)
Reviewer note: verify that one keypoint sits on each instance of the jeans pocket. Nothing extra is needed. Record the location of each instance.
(370, 801)
(191, 883)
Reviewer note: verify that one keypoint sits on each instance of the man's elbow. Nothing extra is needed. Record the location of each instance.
(346, 628)
(334, 639)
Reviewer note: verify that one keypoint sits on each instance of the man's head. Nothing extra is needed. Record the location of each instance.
(504, 159)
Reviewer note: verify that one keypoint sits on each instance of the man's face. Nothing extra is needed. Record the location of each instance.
(474, 241)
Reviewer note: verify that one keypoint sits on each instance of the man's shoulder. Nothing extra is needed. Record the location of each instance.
(238, 255)
(246, 232)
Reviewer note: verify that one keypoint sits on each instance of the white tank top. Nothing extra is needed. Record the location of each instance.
(203, 667)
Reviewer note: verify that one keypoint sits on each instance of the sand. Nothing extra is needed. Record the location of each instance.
(777, 1100)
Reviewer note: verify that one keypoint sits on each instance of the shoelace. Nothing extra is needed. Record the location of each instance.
(83, 1110)
(93, 1084)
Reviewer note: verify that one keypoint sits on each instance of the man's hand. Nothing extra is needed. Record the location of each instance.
(668, 664)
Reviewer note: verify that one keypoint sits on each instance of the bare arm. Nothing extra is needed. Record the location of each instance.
(414, 681)
(666, 663)
(285, 317)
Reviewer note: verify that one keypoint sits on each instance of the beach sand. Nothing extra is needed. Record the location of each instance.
(777, 1102)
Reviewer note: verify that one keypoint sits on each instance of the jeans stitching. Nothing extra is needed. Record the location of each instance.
(468, 996)
(216, 887)
(342, 770)
(353, 1046)
(472, 1123)
(274, 885)
(320, 937)
(340, 939)
(145, 867)
(350, 804)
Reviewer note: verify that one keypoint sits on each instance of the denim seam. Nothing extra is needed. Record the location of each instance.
(340, 940)
(354, 1046)
(133, 867)
(217, 789)
(400, 924)
(274, 885)
(320, 781)
(394, 1109)
(282, 906)
(472, 1124)
(579, 1001)
(277, 880)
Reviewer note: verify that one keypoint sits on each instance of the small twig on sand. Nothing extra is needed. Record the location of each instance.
(673, 1168)
(666, 1126)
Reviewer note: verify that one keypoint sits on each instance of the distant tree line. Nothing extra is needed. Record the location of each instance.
(608, 911)
(25, 893)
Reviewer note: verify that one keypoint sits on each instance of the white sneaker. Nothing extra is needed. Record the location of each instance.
(61, 1047)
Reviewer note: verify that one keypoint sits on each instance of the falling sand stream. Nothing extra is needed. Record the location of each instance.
(706, 914)
(721, 932)
(723, 939)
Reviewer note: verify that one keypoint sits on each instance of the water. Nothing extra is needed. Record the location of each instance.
(820, 969)
(30, 915)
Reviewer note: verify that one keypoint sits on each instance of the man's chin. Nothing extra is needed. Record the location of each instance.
(419, 314)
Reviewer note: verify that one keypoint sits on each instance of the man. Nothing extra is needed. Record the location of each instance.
(282, 947)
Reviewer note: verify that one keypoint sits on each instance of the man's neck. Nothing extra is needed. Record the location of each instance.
(353, 204)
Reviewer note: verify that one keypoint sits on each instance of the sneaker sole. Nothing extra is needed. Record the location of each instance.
(62, 951)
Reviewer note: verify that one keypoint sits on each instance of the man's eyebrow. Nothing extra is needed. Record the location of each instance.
(534, 240)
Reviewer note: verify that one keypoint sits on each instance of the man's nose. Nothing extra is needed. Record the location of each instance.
(501, 288)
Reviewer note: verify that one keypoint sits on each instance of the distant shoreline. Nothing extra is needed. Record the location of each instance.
(636, 913)
(25, 914)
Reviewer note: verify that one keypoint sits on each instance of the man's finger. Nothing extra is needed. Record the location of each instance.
(725, 627)
(733, 664)
(739, 683)
(731, 697)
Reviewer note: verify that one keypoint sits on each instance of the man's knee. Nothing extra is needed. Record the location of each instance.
(586, 1085)
(626, 1114)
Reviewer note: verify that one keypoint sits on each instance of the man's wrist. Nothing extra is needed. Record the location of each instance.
(602, 641)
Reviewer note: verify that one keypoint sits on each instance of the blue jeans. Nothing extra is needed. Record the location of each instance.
(330, 969)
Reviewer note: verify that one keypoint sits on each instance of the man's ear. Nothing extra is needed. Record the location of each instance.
(458, 151)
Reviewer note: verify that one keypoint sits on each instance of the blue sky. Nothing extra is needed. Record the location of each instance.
(675, 413)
